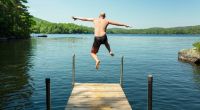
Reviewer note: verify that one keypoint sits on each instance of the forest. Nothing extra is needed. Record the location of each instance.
(42, 26)
(15, 19)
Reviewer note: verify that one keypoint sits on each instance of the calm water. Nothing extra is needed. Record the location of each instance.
(24, 65)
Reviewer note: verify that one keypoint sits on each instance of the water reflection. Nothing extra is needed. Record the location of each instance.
(16, 84)
(66, 38)
(196, 75)
(69, 39)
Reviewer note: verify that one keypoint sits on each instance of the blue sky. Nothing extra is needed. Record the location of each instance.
(138, 13)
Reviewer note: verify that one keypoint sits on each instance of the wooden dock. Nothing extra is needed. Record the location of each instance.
(97, 96)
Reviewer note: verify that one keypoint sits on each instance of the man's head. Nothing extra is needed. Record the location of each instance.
(102, 15)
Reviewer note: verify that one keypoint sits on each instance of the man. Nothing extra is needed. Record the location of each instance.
(100, 27)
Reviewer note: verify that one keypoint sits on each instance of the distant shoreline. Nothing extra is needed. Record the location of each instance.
(46, 27)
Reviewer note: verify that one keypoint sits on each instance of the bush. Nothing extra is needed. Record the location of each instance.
(197, 45)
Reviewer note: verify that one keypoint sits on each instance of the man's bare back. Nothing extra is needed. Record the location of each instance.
(100, 27)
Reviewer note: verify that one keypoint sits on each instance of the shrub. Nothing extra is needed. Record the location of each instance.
(197, 45)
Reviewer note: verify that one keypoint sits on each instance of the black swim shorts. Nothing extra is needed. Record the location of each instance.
(97, 43)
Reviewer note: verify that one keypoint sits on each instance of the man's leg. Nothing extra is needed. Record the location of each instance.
(94, 50)
(94, 56)
(108, 47)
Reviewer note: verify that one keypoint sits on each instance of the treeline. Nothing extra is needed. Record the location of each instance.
(15, 20)
(175, 30)
(43, 26)
(197, 45)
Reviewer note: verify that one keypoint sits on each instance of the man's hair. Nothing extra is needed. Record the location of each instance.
(102, 14)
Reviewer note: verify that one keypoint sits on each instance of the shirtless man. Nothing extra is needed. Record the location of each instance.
(100, 27)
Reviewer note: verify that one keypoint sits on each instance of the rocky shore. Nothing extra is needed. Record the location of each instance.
(190, 56)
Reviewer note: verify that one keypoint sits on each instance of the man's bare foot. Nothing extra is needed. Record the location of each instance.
(112, 54)
(97, 65)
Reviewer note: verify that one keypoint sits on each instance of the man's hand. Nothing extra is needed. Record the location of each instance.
(74, 18)
(127, 26)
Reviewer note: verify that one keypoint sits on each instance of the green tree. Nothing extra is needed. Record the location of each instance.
(15, 19)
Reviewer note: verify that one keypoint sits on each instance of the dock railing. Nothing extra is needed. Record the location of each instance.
(73, 70)
(122, 71)
(150, 90)
(48, 94)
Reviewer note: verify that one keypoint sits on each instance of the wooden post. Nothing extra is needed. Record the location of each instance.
(150, 85)
(48, 98)
(122, 71)
(73, 70)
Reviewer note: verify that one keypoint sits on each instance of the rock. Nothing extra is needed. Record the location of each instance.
(189, 55)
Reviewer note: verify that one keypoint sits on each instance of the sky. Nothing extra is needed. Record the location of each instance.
(137, 13)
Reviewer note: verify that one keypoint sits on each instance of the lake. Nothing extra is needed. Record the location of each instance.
(25, 64)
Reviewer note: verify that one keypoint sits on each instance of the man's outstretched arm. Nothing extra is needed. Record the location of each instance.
(82, 19)
(118, 24)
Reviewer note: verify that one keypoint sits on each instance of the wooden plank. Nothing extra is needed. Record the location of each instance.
(100, 108)
(117, 106)
(96, 84)
(114, 89)
(97, 96)
(97, 87)
(91, 99)
(97, 101)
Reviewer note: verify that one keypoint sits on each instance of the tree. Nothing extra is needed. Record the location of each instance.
(15, 19)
